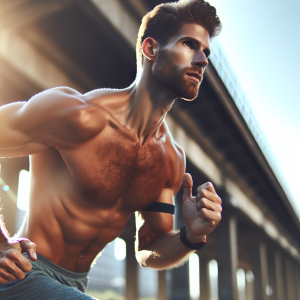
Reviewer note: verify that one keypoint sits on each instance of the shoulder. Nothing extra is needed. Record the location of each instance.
(176, 157)
(55, 98)
(61, 92)
(66, 102)
(65, 108)
(65, 96)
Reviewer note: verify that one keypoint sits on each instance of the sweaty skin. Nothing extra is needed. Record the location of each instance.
(97, 158)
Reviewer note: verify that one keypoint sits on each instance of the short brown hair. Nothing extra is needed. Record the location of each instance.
(166, 20)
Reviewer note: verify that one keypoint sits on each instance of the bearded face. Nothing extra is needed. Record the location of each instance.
(175, 77)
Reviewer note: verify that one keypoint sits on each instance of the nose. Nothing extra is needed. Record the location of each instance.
(200, 61)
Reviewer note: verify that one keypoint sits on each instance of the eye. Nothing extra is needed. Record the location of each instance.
(189, 44)
(207, 53)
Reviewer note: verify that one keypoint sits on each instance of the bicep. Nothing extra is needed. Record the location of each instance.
(13, 141)
(152, 224)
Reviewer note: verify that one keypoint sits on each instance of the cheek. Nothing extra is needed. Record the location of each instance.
(171, 63)
(181, 57)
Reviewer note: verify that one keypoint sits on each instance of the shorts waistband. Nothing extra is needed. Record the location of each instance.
(59, 269)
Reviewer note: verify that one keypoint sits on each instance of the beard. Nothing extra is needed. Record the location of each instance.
(173, 77)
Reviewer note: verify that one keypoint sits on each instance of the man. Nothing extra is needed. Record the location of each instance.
(97, 158)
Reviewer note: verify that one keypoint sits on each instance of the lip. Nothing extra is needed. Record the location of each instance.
(195, 76)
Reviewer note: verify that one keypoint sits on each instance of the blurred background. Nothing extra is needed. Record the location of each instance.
(87, 44)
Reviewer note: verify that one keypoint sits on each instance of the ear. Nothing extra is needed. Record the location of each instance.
(149, 48)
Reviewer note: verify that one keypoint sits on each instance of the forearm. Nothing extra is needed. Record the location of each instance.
(166, 251)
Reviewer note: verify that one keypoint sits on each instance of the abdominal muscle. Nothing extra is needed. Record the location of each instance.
(71, 236)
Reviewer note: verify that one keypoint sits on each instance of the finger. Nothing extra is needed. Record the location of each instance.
(17, 272)
(24, 264)
(207, 186)
(7, 275)
(30, 248)
(205, 203)
(16, 264)
(9, 270)
(211, 216)
(3, 280)
(187, 185)
(210, 196)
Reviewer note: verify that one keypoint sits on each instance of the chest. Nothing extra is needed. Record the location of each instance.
(114, 171)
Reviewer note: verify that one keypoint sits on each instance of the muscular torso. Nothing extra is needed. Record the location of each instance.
(82, 196)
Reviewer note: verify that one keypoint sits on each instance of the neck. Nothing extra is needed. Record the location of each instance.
(148, 106)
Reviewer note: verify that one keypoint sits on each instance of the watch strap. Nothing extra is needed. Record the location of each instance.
(187, 243)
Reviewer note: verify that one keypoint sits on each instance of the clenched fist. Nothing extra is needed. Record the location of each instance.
(13, 265)
(201, 213)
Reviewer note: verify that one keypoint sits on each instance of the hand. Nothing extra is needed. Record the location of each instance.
(13, 265)
(201, 213)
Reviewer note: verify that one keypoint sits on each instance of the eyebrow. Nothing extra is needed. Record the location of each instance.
(196, 42)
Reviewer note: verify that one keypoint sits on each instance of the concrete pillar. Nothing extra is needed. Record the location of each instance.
(264, 269)
(162, 285)
(131, 271)
(178, 285)
(293, 281)
(290, 280)
(227, 258)
(178, 278)
(131, 274)
(250, 290)
(204, 278)
(297, 281)
(256, 269)
(272, 271)
(279, 277)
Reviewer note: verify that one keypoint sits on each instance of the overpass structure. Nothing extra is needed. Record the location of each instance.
(88, 44)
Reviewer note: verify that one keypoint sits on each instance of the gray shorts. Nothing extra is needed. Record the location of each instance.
(46, 281)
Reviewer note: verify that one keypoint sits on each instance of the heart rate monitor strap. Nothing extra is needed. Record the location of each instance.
(162, 207)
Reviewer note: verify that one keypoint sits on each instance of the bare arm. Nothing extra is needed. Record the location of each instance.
(159, 246)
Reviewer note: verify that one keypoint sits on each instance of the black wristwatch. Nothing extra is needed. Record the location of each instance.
(187, 243)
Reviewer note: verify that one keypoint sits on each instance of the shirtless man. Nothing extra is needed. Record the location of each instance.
(97, 158)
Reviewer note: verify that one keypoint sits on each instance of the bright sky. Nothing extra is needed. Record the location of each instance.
(261, 39)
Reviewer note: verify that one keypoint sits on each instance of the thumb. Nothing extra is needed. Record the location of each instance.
(187, 184)
(30, 248)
